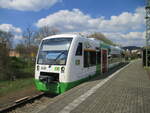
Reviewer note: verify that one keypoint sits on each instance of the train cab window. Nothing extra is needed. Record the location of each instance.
(79, 50)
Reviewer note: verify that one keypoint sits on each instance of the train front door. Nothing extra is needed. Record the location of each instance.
(104, 60)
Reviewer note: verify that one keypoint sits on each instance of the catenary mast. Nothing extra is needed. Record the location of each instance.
(146, 49)
(147, 8)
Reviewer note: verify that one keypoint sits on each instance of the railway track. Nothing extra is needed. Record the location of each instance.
(21, 102)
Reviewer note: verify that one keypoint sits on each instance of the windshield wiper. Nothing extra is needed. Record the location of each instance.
(60, 55)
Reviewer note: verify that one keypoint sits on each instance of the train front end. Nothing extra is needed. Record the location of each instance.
(51, 63)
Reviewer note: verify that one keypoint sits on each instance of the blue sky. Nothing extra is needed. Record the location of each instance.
(119, 20)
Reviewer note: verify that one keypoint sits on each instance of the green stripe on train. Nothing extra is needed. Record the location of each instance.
(61, 87)
(98, 69)
(58, 88)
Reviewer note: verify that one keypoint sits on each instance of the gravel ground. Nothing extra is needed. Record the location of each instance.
(9, 99)
(34, 107)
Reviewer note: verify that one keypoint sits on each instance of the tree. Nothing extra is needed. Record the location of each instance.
(28, 36)
(45, 32)
(3, 61)
(101, 37)
(22, 50)
(25, 49)
(6, 38)
(5, 45)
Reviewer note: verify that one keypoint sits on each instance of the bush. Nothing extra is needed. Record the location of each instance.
(16, 68)
(19, 68)
(4, 59)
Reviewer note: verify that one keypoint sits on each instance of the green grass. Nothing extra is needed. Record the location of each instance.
(147, 70)
(12, 86)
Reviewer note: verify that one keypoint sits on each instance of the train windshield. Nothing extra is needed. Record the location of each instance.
(54, 51)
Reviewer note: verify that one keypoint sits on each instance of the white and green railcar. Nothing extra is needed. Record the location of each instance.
(66, 60)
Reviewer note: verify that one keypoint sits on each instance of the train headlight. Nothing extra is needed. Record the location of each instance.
(62, 69)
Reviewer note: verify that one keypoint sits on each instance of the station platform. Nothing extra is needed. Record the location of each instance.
(125, 91)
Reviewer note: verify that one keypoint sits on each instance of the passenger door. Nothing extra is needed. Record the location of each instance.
(104, 60)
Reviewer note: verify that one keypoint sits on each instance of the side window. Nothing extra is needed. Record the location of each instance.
(92, 58)
(89, 58)
(79, 50)
(86, 59)
(98, 58)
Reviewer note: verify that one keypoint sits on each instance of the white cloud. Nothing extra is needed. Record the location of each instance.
(126, 28)
(76, 20)
(135, 35)
(27, 5)
(66, 20)
(10, 28)
(18, 37)
(16, 31)
(127, 39)
(125, 21)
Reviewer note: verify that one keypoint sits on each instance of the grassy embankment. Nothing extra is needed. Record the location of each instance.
(7, 87)
(20, 76)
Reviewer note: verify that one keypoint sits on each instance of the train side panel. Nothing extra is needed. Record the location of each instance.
(76, 73)
(87, 58)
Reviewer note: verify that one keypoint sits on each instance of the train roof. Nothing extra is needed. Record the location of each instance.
(74, 35)
(62, 35)
(104, 45)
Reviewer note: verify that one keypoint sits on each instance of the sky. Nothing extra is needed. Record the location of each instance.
(121, 21)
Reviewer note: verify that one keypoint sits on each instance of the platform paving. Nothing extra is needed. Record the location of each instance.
(128, 91)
